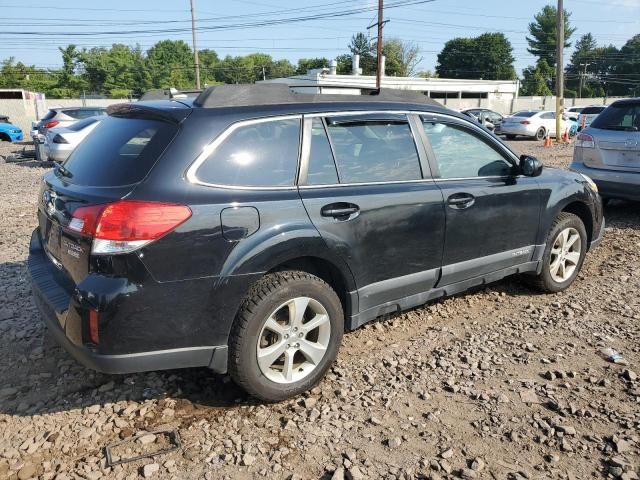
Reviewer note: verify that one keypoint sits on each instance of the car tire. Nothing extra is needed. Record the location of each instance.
(270, 350)
(511, 137)
(563, 255)
(541, 133)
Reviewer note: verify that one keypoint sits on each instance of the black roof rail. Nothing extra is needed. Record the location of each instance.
(280, 93)
(168, 94)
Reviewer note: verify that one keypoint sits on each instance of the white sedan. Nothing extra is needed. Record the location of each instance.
(59, 142)
(531, 123)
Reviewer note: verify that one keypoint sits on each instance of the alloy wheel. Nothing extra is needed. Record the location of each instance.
(565, 255)
(293, 341)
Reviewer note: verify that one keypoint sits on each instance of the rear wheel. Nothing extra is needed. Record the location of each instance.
(541, 133)
(563, 255)
(286, 336)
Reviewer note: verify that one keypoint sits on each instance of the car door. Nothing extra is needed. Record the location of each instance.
(492, 212)
(549, 122)
(362, 184)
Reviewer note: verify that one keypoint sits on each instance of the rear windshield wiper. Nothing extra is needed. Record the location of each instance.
(63, 171)
(620, 127)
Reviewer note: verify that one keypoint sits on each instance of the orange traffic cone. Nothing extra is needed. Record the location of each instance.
(547, 141)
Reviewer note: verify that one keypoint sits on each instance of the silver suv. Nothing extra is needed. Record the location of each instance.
(63, 117)
(609, 150)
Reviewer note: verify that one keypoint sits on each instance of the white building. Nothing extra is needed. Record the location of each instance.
(452, 92)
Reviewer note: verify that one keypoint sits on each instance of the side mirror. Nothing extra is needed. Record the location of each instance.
(530, 166)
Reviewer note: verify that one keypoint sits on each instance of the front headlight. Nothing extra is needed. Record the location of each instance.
(590, 182)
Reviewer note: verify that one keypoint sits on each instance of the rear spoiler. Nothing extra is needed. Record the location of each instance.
(165, 111)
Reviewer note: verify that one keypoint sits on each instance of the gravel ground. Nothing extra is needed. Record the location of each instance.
(499, 383)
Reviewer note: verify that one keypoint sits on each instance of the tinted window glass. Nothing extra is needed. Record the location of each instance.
(77, 126)
(370, 150)
(119, 151)
(322, 168)
(71, 113)
(592, 110)
(524, 114)
(548, 116)
(263, 154)
(624, 116)
(461, 154)
(50, 114)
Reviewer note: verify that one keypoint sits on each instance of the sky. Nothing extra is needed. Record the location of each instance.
(31, 31)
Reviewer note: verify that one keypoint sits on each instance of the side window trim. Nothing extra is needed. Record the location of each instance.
(192, 171)
(473, 130)
(424, 148)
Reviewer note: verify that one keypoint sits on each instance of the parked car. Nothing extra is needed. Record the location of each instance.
(486, 117)
(574, 112)
(609, 150)
(245, 231)
(8, 131)
(59, 142)
(536, 124)
(589, 114)
(63, 117)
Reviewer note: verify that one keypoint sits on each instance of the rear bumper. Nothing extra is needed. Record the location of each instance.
(61, 313)
(612, 183)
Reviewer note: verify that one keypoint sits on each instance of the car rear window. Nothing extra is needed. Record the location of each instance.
(120, 151)
(592, 110)
(623, 116)
(524, 114)
(50, 114)
(76, 127)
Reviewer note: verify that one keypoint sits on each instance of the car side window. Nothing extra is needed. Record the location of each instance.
(370, 149)
(322, 168)
(459, 153)
(548, 116)
(260, 154)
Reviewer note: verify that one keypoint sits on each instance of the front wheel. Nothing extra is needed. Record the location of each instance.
(286, 335)
(564, 254)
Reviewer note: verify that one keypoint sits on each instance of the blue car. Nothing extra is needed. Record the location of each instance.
(8, 131)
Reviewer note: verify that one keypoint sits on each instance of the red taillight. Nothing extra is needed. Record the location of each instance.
(585, 140)
(133, 220)
(93, 327)
(51, 124)
(126, 225)
(525, 122)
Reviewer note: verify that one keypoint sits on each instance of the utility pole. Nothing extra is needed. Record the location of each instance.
(195, 47)
(582, 77)
(379, 53)
(559, 68)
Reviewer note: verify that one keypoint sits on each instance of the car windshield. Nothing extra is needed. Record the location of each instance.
(50, 114)
(524, 114)
(622, 116)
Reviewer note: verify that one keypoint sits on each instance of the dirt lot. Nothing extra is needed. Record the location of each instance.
(499, 383)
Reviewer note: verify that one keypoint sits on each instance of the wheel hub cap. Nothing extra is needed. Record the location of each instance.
(293, 341)
(565, 255)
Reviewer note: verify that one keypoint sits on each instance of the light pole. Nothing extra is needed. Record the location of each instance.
(559, 68)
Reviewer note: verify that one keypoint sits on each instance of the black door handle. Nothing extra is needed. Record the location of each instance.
(340, 211)
(461, 201)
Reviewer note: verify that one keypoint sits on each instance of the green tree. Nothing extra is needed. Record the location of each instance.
(488, 56)
(401, 57)
(209, 62)
(537, 79)
(306, 64)
(543, 31)
(360, 45)
(18, 75)
(170, 64)
(627, 74)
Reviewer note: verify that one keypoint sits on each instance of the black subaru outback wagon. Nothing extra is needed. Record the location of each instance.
(245, 230)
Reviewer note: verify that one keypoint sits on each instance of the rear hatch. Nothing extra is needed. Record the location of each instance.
(106, 167)
(615, 137)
